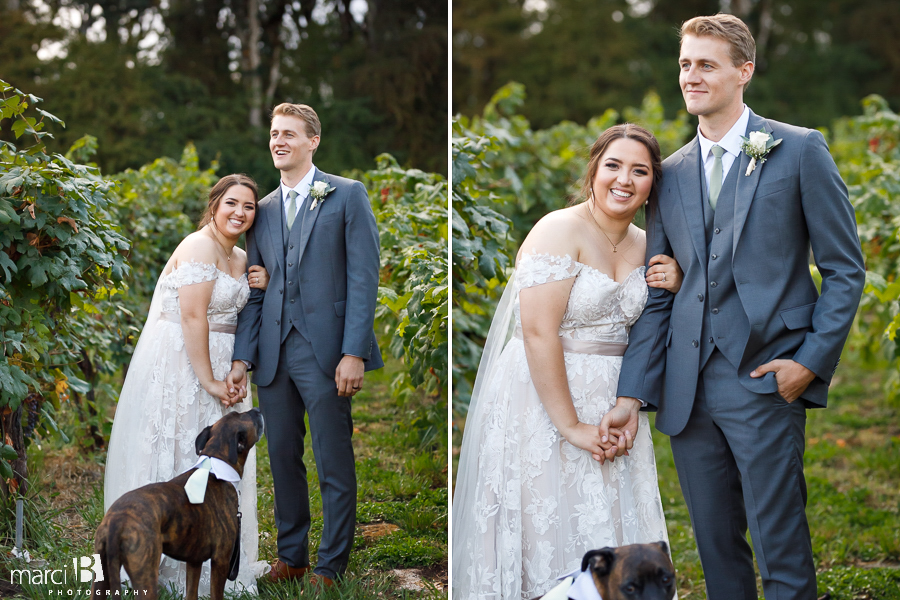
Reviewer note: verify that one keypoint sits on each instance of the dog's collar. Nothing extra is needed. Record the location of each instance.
(220, 469)
(577, 585)
(196, 483)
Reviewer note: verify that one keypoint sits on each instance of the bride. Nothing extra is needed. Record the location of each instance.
(175, 383)
(534, 490)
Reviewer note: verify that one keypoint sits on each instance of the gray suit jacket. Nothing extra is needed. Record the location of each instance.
(795, 201)
(338, 274)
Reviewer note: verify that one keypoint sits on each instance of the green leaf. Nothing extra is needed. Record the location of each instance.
(79, 385)
(9, 107)
(50, 422)
(19, 127)
(37, 274)
(7, 452)
(51, 117)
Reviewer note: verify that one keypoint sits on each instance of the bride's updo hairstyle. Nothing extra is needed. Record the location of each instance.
(618, 132)
(218, 192)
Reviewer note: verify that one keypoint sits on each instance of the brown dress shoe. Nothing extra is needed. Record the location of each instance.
(281, 571)
(317, 580)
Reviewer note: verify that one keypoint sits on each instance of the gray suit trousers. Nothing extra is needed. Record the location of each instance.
(300, 386)
(740, 464)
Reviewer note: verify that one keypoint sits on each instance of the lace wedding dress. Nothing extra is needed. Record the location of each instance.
(528, 504)
(162, 409)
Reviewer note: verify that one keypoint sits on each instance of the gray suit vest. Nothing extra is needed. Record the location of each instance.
(292, 315)
(725, 324)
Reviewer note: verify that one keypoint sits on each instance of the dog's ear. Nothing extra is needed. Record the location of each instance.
(663, 546)
(200, 443)
(600, 561)
(237, 447)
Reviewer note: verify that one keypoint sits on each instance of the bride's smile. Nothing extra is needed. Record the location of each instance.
(623, 181)
(236, 212)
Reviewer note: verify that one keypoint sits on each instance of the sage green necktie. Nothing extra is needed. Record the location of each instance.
(292, 208)
(715, 180)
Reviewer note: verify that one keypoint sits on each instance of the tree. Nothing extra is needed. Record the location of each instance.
(867, 151)
(413, 294)
(59, 254)
(815, 61)
(147, 79)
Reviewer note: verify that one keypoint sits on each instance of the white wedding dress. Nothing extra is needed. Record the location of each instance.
(162, 409)
(528, 504)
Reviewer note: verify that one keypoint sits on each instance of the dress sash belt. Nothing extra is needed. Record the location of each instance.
(587, 346)
(216, 327)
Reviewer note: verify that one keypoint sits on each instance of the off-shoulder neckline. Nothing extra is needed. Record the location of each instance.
(216, 267)
(577, 262)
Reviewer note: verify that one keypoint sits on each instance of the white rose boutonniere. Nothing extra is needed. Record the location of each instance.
(318, 191)
(757, 147)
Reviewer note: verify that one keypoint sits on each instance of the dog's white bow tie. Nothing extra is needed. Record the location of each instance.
(196, 483)
(577, 585)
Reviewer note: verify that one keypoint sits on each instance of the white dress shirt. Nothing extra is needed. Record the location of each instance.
(302, 190)
(731, 142)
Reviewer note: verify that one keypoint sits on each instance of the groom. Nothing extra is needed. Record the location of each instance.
(310, 338)
(732, 362)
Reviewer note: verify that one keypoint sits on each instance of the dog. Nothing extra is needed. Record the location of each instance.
(159, 519)
(635, 572)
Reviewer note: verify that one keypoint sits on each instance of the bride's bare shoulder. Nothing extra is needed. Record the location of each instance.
(197, 247)
(558, 233)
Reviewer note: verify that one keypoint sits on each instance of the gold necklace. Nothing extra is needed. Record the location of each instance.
(614, 246)
(228, 256)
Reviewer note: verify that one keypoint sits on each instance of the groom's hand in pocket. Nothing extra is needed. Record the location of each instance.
(792, 377)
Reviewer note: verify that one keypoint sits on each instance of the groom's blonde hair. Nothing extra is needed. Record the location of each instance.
(305, 113)
(727, 28)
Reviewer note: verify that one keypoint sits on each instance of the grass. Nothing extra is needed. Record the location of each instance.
(400, 549)
(852, 465)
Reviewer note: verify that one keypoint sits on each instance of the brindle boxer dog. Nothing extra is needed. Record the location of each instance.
(158, 518)
(635, 572)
